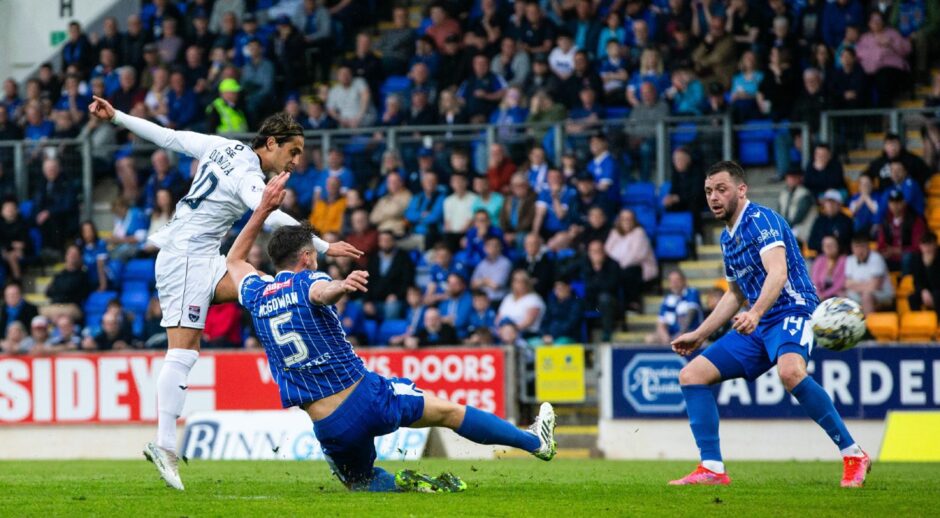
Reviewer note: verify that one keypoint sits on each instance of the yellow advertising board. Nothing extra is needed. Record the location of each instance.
(911, 437)
(559, 373)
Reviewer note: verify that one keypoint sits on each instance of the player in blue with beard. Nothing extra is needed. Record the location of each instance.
(766, 270)
(317, 370)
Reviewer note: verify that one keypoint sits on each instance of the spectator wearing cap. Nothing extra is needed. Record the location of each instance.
(511, 63)
(287, 54)
(182, 104)
(866, 277)
(584, 27)
(828, 271)
(225, 114)
(882, 52)
(910, 191)
(797, 204)
(458, 208)
(831, 221)
(426, 211)
(56, 206)
(680, 311)
(564, 315)
(899, 233)
(350, 101)
(925, 269)
(37, 343)
(879, 170)
(397, 43)
(15, 308)
(865, 206)
(824, 173)
(541, 78)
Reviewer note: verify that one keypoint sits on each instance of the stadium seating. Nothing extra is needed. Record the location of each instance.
(646, 218)
(755, 141)
(141, 270)
(677, 223)
(683, 134)
(671, 247)
(135, 296)
(640, 193)
(26, 209)
(883, 326)
(395, 85)
(905, 286)
(98, 301)
(390, 328)
(918, 326)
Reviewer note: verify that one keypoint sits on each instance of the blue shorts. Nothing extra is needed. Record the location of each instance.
(377, 406)
(748, 356)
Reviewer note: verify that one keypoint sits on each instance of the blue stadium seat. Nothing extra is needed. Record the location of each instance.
(141, 270)
(683, 134)
(116, 267)
(753, 152)
(98, 301)
(395, 85)
(639, 193)
(755, 141)
(646, 217)
(390, 328)
(135, 296)
(578, 287)
(616, 112)
(370, 328)
(676, 223)
(137, 324)
(93, 322)
(26, 209)
(671, 247)
(35, 236)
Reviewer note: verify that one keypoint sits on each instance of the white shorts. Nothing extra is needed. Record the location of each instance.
(186, 286)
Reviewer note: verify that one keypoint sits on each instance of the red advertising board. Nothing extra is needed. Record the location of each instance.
(121, 387)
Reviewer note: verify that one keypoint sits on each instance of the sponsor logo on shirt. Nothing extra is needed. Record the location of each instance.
(277, 286)
(194, 313)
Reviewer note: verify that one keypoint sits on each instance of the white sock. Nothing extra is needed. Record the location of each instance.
(852, 451)
(171, 394)
(714, 465)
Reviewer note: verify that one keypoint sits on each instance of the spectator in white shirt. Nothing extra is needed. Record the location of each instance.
(561, 58)
(349, 101)
(522, 306)
(866, 277)
(458, 209)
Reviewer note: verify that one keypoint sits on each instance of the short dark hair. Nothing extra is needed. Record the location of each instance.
(929, 238)
(288, 242)
(861, 238)
(728, 166)
(281, 126)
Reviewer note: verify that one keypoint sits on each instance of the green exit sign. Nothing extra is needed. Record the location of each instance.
(56, 37)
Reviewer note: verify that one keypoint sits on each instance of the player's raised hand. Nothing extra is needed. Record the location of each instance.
(745, 323)
(343, 249)
(685, 344)
(356, 281)
(273, 194)
(101, 109)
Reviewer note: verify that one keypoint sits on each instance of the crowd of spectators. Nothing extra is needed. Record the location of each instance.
(467, 242)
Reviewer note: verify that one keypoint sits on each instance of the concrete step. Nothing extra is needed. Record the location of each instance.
(652, 303)
(36, 299)
(645, 323)
(875, 139)
(705, 283)
(41, 283)
(630, 337)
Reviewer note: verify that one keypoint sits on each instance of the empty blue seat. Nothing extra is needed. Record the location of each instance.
(26, 209)
(578, 288)
(137, 324)
(390, 328)
(395, 85)
(616, 112)
(639, 193)
(676, 223)
(754, 142)
(753, 153)
(662, 192)
(135, 296)
(141, 270)
(646, 218)
(671, 247)
(683, 134)
(370, 329)
(98, 301)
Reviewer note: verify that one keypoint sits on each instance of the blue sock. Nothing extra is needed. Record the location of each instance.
(818, 405)
(381, 482)
(703, 418)
(485, 428)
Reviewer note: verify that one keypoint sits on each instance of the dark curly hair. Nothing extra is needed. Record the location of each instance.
(288, 242)
(281, 126)
(728, 166)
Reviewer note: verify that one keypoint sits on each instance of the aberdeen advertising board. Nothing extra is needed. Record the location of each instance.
(864, 383)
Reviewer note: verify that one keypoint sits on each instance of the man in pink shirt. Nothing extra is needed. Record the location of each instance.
(883, 52)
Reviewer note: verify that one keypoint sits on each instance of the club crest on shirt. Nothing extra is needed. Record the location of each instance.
(194, 313)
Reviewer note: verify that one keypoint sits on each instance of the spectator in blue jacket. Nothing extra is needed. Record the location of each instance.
(603, 167)
(335, 166)
(457, 306)
(687, 94)
(913, 194)
(182, 104)
(164, 176)
(482, 91)
(426, 210)
(836, 17)
(130, 230)
(481, 230)
(564, 315)
(680, 311)
(95, 256)
(77, 50)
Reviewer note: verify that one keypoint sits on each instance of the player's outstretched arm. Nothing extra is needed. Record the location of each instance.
(237, 259)
(329, 293)
(187, 142)
(775, 264)
(727, 306)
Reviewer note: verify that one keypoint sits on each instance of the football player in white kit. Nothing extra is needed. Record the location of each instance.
(190, 272)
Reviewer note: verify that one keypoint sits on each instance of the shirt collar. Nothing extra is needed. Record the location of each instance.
(734, 227)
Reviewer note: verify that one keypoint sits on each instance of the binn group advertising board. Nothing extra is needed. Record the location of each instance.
(864, 383)
(121, 387)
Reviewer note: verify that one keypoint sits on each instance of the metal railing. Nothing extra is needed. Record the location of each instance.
(717, 134)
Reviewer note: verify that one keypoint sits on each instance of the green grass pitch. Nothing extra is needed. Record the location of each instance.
(565, 488)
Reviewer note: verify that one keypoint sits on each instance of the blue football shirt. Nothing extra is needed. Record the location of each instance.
(757, 230)
(306, 346)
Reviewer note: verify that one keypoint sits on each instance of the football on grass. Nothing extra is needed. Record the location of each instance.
(838, 324)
